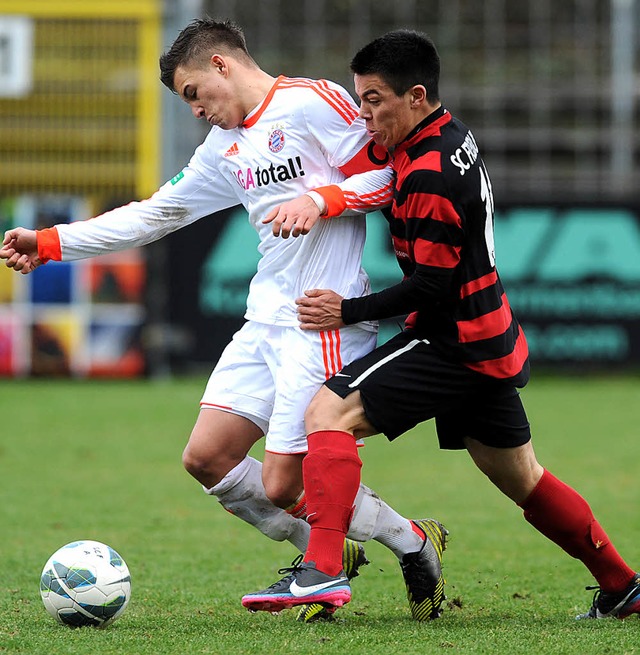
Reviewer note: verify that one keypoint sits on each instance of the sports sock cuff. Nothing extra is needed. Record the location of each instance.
(234, 476)
(298, 509)
(336, 440)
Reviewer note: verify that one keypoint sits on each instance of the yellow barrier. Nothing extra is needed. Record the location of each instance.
(91, 120)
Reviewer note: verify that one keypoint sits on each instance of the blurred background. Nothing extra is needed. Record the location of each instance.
(550, 89)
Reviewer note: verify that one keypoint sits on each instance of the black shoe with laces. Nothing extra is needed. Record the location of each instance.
(422, 571)
(618, 606)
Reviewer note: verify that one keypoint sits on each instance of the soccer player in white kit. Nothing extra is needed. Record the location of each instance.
(271, 140)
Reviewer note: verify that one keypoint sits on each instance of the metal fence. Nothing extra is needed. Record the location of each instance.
(549, 87)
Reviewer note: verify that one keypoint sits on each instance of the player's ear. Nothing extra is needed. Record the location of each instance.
(418, 95)
(219, 63)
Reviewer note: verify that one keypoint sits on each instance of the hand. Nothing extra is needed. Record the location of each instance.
(20, 250)
(320, 309)
(293, 218)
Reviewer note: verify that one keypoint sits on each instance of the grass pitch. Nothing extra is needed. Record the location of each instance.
(101, 460)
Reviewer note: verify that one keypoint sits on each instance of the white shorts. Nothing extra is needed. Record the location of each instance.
(270, 373)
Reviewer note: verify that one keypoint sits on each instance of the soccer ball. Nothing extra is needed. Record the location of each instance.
(85, 583)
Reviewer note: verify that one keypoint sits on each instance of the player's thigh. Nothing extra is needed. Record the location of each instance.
(402, 383)
(242, 381)
(515, 471)
(307, 359)
(329, 411)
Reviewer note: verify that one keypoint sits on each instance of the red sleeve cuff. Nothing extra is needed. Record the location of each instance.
(334, 197)
(48, 245)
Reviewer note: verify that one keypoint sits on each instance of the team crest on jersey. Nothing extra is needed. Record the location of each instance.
(276, 140)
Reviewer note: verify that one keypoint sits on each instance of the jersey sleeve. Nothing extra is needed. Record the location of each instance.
(197, 191)
(332, 119)
(363, 192)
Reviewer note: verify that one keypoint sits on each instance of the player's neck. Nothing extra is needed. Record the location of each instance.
(256, 85)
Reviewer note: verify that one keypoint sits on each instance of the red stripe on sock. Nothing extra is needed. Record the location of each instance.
(418, 530)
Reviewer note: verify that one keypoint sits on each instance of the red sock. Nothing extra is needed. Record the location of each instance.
(564, 516)
(331, 472)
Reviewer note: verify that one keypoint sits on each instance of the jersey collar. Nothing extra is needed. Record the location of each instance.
(254, 115)
(431, 126)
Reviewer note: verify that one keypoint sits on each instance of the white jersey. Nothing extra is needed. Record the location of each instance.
(304, 134)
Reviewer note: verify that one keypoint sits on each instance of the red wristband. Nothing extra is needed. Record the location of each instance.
(48, 241)
(334, 197)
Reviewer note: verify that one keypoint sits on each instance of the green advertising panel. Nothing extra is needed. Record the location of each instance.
(572, 276)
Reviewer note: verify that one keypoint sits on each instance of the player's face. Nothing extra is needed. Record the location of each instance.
(210, 93)
(388, 117)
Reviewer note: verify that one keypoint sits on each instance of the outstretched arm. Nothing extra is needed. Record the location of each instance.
(174, 205)
(20, 250)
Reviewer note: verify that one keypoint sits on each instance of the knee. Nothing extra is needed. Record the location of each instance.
(283, 485)
(280, 493)
(194, 461)
(206, 464)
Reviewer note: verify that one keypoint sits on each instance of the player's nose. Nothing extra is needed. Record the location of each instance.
(364, 113)
(198, 112)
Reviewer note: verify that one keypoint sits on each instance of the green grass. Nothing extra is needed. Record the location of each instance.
(101, 460)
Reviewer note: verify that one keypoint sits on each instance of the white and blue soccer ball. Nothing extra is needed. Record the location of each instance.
(85, 583)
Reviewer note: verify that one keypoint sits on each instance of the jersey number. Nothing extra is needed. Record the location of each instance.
(486, 194)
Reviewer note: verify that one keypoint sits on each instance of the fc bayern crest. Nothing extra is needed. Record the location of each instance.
(276, 141)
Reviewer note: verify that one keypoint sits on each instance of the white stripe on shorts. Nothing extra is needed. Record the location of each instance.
(388, 358)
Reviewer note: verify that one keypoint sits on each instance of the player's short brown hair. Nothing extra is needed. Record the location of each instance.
(197, 42)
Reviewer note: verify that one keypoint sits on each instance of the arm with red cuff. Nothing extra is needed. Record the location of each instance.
(172, 207)
(131, 226)
(363, 192)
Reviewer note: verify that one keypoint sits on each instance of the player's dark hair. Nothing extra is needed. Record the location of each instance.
(198, 41)
(402, 58)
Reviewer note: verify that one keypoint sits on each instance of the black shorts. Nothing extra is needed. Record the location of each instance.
(407, 381)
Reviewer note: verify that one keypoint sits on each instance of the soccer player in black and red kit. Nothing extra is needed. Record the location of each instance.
(461, 357)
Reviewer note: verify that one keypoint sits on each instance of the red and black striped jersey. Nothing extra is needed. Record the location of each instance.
(441, 223)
